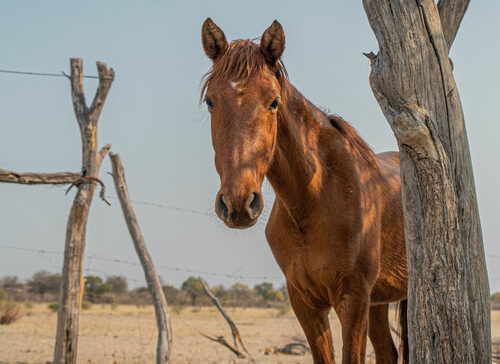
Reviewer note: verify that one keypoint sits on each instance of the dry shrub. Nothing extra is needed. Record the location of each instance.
(9, 313)
(54, 306)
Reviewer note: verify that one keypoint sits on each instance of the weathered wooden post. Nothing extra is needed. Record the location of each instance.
(412, 80)
(65, 351)
(164, 346)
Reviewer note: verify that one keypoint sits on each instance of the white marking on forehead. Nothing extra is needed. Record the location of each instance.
(234, 85)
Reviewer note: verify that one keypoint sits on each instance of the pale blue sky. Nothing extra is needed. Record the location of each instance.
(152, 118)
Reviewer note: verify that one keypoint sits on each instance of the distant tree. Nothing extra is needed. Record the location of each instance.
(10, 282)
(95, 287)
(263, 288)
(495, 300)
(3, 295)
(284, 291)
(119, 284)
(241, 292)
(220, 291)
(43, 282)
(267, 291)
(194, 288)
(171, 294)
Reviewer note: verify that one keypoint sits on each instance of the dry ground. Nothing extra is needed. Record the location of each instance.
(127, 334)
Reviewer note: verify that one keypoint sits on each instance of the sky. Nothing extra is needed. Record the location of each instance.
(153, 120)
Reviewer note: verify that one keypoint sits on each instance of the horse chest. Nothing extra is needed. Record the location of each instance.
(313, 265)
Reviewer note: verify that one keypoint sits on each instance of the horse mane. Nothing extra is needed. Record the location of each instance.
(355, 141)
(242, 60)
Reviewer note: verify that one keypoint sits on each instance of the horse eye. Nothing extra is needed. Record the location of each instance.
(209, 103)
(274, 105)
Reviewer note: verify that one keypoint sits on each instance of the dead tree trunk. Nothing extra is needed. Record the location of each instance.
(412, 80)
(164, 347)
(65, 351)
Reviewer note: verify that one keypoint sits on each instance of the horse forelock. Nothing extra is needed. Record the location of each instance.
(242, 60)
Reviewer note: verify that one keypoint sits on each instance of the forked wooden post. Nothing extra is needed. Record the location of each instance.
(65, 351)
(164, 347)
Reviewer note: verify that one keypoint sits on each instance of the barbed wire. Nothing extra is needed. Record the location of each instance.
(44, 74)
(235, 275)
(165, 206)
(145, 203)
(161, 266)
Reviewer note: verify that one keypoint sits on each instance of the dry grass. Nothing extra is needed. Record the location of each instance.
(127, 334)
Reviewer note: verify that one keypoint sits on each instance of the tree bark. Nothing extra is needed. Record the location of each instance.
(164, 346)
(451, 13)
(65, 351)
(412, 80)
(39, 178)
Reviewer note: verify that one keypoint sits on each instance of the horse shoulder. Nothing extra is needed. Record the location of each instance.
(391, 284)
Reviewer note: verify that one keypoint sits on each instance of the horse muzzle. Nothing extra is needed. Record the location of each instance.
(239, 212)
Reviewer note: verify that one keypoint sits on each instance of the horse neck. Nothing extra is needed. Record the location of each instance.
(304, 149)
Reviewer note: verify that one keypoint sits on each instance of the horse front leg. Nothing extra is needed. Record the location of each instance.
(353, 314)
(314, 322)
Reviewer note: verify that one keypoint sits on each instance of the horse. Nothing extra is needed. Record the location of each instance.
(336, 227)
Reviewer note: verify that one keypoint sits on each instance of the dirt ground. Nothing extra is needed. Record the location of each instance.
(127, 334)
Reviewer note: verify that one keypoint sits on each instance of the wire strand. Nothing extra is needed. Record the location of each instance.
(164, 267)
(44, 74)
(164, 206)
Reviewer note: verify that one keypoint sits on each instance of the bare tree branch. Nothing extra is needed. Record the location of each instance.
(92, 180)
(295, 349)
(38, 178)
(234, 329)
(222, 341)
(451, 13)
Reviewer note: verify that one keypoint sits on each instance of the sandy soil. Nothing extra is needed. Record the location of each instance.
(127, 334)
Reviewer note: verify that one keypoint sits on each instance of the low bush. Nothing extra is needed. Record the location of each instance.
(3, 294)
(177, 309)
(283, 309)
(9, 312)
(54, 306)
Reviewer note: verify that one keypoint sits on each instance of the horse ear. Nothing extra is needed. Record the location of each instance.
(272, 43)
(213, 39)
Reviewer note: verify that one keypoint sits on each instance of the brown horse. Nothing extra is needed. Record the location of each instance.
(336, 227)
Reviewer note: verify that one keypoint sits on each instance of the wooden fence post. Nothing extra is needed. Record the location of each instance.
(65, 351)
(164, 347)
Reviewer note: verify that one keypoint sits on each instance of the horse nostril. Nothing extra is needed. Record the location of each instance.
(254, 205)
(221, 207)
